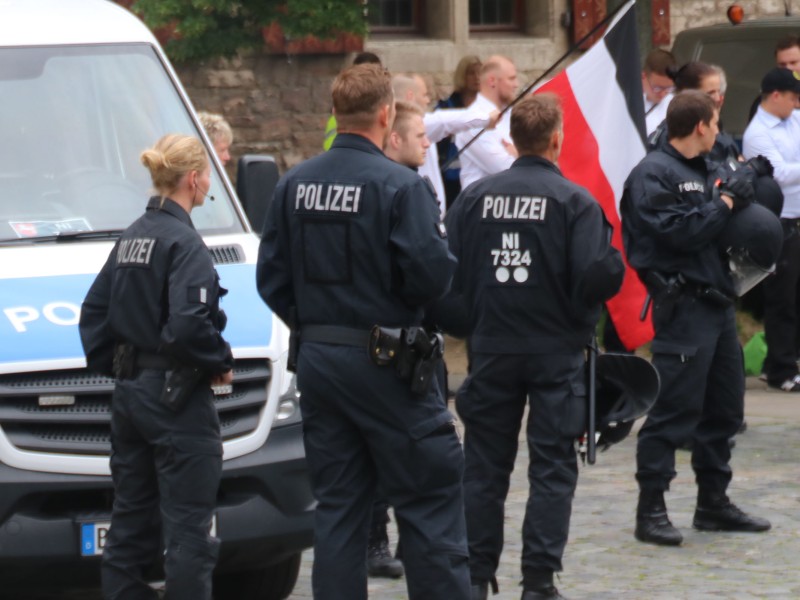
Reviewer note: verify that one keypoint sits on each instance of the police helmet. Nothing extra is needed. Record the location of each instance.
(751, 241)
(769, 194)
(627, 387)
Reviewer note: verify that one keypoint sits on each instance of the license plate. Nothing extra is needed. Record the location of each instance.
(93, 536)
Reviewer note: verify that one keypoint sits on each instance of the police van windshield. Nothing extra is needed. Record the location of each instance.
(73, 123)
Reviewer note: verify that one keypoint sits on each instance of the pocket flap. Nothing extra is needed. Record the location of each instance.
(671, 348)
(428, 426)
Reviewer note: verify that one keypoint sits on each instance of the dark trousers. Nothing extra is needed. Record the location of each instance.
(699, 360)
(491, 404)
(781, 297)
(166, 469)
(363, 430)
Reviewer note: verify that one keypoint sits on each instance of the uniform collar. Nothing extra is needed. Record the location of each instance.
(356, 142)
(171, 207)
(698, 162)
(535, 161)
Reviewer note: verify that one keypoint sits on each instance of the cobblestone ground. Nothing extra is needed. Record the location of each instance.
(604, 561)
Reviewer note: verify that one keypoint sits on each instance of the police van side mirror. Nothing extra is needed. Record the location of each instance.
(256, 178)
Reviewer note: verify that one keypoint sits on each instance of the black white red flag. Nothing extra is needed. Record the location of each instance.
(604, 138)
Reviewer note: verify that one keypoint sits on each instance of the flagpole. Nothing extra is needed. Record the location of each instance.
(547, 72)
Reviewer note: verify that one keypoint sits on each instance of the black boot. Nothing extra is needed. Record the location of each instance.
(538, 585)
(715, 512)
(548, 593)
(652, 523)
(380, 562)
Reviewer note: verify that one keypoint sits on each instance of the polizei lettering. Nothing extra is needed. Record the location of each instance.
(692, 186)
(327, 197)
(135, 251)
(514, 208)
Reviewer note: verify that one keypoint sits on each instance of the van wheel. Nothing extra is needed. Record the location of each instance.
(274, 582)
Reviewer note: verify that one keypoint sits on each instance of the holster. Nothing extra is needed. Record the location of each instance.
(666, 291)
(124, 363)
(413, 351)
(178, 386)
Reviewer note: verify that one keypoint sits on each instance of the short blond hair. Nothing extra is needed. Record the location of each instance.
(358, 93)
(403, 112)
(171, 158)
(216, 127)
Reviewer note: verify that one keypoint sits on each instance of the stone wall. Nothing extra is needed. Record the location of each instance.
(274, 105)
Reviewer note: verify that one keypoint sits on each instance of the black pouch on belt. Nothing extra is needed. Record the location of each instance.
(385, 345)
(179, 385)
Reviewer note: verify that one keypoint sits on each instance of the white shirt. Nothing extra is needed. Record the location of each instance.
(487, 155)
(778, 140)
(658, 112)
(440, 124)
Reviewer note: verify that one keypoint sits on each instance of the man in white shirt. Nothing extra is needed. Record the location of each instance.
(439, 124)
(657, 86)
(774, 133)
(493, 151)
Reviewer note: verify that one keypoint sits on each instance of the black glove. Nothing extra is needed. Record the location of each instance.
(740, 190)
(761, 166)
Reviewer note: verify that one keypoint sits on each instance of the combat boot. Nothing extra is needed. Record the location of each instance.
(715, 512)
(546, 593)
(652, 523)
(380, 562)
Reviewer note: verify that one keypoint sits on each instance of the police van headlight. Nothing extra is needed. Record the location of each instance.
(288, 411)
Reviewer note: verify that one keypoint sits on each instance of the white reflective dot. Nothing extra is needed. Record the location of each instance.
(521, 274)
(502, 274)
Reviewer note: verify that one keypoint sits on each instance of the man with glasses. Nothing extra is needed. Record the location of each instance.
(657, 87)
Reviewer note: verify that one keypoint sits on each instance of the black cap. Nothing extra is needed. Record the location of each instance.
(780, 80)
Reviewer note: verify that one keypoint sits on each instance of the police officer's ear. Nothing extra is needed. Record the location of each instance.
(557, 141)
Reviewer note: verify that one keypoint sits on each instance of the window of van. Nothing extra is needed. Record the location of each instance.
(74, 121)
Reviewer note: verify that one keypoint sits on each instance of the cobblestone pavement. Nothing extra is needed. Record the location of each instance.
(604, 561)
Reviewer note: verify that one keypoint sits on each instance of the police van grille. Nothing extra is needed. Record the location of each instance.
(227, 255)
(83, 426)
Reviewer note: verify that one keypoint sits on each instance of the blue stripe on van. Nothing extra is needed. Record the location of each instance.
(39, 315)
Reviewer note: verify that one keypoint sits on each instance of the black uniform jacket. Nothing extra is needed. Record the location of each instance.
(535, 260)
(159, 292)
(671, 219)
(353, 239)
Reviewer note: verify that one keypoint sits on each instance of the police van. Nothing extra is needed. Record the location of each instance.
(85, 88)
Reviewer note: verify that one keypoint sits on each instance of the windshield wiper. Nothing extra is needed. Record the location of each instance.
(65, 236)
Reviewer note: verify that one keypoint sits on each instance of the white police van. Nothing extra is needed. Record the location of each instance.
(84, 88)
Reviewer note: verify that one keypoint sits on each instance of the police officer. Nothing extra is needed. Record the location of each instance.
(535, 265)
(671, 217)
(352, 241)
(152, 319)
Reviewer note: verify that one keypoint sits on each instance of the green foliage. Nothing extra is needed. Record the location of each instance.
(210, 28)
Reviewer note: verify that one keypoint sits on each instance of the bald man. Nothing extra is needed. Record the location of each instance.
(493, 151)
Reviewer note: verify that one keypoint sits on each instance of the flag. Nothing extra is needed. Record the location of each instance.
(604, 138)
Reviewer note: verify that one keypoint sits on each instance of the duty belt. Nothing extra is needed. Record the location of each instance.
(334, 334)
(146, 360)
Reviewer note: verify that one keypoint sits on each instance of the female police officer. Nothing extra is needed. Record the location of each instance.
(152, 319)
